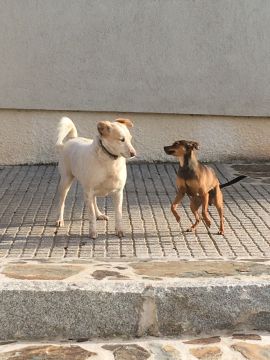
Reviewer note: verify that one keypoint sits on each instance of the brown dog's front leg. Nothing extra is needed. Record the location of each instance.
(195, 203)
(205, 214)
(175, 203)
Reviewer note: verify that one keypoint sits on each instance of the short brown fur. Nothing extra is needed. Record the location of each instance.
(196, 180)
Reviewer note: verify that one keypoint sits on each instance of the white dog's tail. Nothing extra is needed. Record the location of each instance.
(66, 128)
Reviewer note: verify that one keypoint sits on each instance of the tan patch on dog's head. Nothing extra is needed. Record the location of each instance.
(104, 128)
(126, 122)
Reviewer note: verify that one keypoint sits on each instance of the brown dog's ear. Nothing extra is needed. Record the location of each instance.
(193, 145)
(126, 122)
(104, 128)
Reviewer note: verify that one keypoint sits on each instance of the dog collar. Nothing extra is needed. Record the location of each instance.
(112, 156)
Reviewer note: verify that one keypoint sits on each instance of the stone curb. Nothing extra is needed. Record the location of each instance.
(59, 310)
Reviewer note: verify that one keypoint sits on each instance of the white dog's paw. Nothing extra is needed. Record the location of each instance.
(102, 217)
(119, 233)
(60, 223)
(93, 234)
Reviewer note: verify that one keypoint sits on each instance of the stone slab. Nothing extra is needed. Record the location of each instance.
(123, 303)
(177, 348)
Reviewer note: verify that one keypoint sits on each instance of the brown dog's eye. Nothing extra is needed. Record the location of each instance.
(122, 139)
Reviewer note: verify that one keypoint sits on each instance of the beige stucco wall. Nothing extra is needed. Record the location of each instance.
(29, 136)
(152, 56)
(145, 57)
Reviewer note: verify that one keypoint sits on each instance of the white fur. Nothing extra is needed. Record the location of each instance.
(97, 172)
(65, 128)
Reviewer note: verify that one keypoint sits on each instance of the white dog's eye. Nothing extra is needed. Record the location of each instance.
(122, 139)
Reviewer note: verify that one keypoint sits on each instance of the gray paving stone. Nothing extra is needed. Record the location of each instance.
(28, 198)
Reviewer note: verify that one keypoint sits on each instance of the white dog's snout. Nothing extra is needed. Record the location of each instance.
(132, 153)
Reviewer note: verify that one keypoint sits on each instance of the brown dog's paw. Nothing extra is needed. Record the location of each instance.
(220, 232)
(207, 222)
(190, 229)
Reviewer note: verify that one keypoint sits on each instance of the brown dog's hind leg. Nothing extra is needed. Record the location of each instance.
(175, 203)
(219, 206)
(195, 203)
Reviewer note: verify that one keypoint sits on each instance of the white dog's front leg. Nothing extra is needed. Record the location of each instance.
(90, 202)
(118, 201)
(99, 215)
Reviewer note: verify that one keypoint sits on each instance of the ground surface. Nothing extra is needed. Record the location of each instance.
(28, 198)
(238, 346)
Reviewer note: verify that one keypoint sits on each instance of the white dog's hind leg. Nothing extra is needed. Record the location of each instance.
(99, 215)
(118, 201)
(90, 202)
(64, 187)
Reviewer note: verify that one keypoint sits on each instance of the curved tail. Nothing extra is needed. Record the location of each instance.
(66, 128)
(238, 178)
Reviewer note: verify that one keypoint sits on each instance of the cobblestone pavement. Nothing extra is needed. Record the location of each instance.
(28, 198)
(238, 346)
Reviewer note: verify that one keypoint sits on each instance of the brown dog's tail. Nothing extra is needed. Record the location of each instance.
(238, 178)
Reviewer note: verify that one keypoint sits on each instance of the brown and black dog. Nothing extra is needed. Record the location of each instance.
(199, 182)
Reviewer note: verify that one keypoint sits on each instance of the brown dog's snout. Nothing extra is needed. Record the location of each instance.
(168, 150)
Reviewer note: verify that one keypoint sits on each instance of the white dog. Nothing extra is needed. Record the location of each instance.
(99, 165)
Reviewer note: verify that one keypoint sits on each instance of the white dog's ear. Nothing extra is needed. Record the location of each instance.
(104, 128)
(126, 122)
